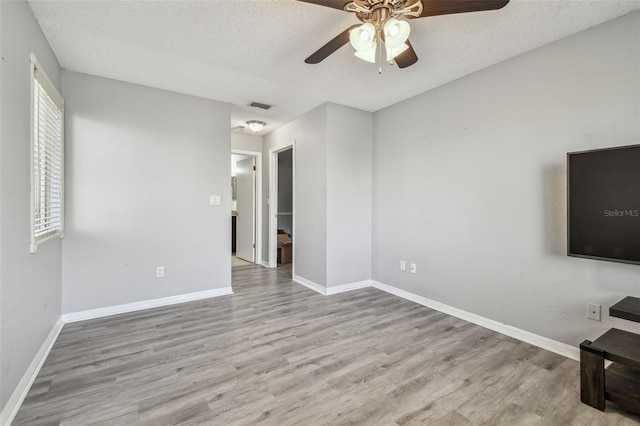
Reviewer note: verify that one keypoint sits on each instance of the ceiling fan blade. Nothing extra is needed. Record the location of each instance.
(448, 7)
(336, 43)
(406, 58)
(334, 4)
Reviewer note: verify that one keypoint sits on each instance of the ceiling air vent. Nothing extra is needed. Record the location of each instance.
(259, 105)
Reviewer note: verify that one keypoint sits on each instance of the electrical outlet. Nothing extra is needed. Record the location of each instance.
(413, 268)
(403, 265)
(593, 312)
(160, 272)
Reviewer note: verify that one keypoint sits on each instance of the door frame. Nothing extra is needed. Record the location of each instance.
(273, 206)
(258, 202)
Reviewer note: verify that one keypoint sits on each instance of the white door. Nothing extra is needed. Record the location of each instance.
(246, 208)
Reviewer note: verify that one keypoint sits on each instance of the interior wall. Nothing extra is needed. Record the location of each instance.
(30, 284)
(473, 190)
(246, 142)
(349, 192)
(141, 166)
(333, 183)
(285, 191)
(2, 401)
(234, 160)
(309, 133)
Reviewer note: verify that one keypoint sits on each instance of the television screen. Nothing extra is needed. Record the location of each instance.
(604, 204)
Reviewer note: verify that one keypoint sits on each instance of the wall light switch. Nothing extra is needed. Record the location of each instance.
(160, 271)
(215, 200)
(403, 265)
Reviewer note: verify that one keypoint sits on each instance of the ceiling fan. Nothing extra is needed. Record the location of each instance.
(384, 29)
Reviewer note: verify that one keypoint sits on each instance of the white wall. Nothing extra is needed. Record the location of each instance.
(30, 284)
(349, 189)
(141, 165)
(471, 186)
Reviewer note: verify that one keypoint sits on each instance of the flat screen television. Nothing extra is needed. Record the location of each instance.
(603, 199)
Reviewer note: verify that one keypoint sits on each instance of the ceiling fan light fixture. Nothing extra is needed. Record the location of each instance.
(392, 53)
(368, 55)
(396, 33)
(256, 125)
(388, 18)
(363, 37)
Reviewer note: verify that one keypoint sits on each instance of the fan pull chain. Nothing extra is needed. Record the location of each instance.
(379, 52)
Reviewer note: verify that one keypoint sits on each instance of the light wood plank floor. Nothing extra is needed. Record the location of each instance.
(276, 353)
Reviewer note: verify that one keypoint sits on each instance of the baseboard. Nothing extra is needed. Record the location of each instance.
(265, 263)
(146, 304)
(19, 394)
(348, 287)
(517, 333)
(525, 336)
(309, 284)
(328, 291)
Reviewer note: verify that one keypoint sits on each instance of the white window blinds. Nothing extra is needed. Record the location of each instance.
(47, 159)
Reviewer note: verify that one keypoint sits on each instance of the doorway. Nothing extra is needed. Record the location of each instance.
(282, 206)
(246, 209)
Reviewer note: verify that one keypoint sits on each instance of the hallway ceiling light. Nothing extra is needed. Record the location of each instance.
(256, 125)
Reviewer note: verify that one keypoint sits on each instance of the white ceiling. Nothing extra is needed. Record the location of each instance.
(239, 51)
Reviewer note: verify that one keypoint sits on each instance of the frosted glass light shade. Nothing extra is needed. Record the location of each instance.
(368, 55)
(392, 53)
(396, 33)
(256, 125)
(363, 37)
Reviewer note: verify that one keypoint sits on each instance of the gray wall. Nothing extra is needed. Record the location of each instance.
(30, 284)
(141, 165)
(285, 190)
(349, 188)
(246, 142)
(309, 133)
(333, 184)
(471, 184)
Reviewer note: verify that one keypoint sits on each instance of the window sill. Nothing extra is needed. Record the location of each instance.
(45, 239)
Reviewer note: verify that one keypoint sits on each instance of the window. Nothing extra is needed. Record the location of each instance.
(47, 159)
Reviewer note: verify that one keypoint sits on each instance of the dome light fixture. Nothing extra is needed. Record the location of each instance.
(256, 125)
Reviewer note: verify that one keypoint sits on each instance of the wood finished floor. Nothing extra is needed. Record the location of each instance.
(276, 353)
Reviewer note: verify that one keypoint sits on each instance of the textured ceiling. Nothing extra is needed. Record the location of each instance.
(239, 51)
